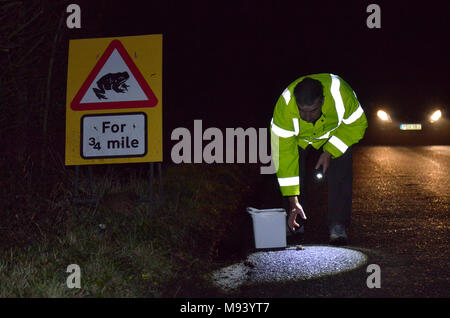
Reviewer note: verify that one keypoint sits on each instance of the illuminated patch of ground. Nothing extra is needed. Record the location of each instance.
(288, 264)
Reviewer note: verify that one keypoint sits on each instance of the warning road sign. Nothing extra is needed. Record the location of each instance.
(114, 82)
(113, 135)
(114, 100)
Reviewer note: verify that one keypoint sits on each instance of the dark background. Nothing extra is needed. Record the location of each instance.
(243, 53)
(227, 62)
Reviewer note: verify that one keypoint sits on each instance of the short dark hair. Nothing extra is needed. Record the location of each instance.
(307, 91)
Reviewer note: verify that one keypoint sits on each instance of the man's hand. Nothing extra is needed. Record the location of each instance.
(324, 161)
(295, 210)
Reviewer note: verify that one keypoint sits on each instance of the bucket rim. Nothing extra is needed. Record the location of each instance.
(252, 210)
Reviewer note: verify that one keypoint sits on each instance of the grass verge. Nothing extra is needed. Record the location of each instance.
(122, 249)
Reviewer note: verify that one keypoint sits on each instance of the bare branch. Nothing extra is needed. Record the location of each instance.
(23, 26)
(48, 90)
(31, 50)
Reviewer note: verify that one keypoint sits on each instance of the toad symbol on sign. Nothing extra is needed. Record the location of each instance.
(114, 81)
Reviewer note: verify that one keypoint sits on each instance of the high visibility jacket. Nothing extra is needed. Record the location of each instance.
(341, 125)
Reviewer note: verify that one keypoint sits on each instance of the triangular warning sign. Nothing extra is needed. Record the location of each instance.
(115, 82)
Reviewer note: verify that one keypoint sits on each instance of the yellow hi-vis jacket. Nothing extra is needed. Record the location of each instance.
(341, 125)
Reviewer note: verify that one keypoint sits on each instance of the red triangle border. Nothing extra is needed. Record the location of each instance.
(115, 44)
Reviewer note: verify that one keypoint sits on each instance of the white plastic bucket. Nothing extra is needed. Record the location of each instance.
(269, 227)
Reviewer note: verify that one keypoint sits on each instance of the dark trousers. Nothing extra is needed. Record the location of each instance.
(339, 177)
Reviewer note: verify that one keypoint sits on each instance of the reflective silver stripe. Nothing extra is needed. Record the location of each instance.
(340, 109)
(355, 116)
(339, 144)
(339, 104)
(281, 132)
(296, 126)
(323, 136)
(309, 142)
(326, 135)
(287, 96)
(285, 182)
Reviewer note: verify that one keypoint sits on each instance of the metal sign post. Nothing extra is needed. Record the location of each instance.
(92, 201)
(76, 198)
(161, 194)
(114, 105)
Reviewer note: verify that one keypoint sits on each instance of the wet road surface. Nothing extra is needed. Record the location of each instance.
(400, 220)
(401, 199)
(405, 192)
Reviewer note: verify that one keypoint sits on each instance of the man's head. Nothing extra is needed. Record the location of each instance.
(309, 96)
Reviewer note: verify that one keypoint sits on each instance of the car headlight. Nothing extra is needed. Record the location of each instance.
(436, 116)
(383, 115)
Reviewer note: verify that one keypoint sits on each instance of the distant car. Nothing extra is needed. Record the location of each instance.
(393, 126)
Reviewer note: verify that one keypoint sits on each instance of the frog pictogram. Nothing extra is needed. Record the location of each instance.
(114, 81)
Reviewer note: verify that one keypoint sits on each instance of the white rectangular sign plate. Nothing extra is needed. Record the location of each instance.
(114, 135)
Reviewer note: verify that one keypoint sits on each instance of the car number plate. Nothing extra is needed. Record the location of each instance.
(411, 126)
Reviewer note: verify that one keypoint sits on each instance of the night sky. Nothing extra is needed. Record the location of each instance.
(226, 62)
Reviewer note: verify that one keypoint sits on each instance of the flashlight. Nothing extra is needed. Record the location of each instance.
(318, 175)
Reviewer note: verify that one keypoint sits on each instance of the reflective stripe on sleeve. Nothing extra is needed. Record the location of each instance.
(339, 144)
(281, 132)
(287, 96)
(340, 109)
(324, 136)
(284, 182)
(355, 116)
(296, 126)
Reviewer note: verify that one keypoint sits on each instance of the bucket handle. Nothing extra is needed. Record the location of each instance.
(252, 210)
